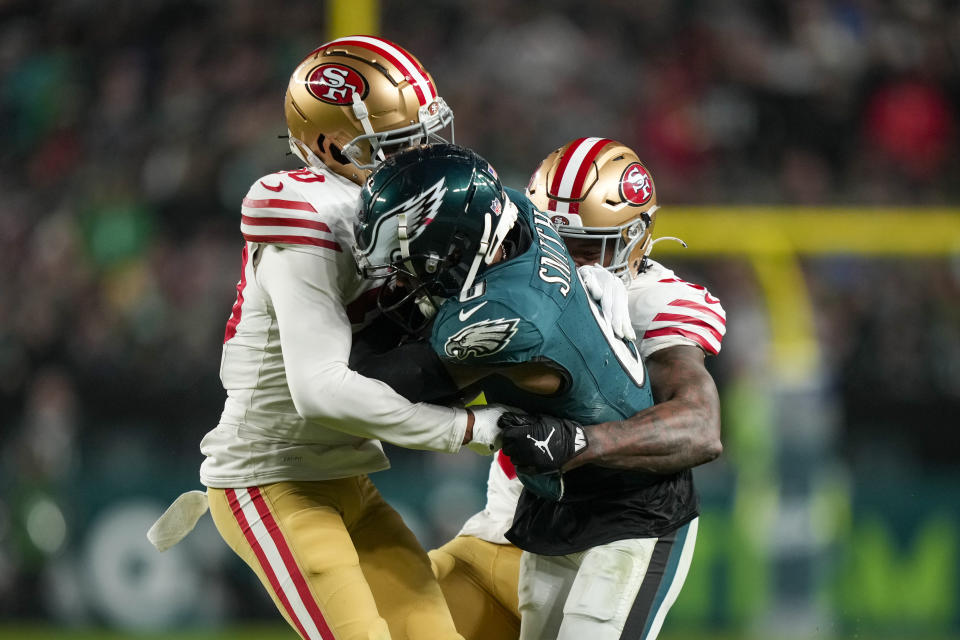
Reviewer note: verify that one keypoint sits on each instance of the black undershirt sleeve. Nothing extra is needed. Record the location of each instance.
(412, 369)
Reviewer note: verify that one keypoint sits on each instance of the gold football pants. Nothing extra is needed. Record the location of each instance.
(337, 560)
(479, 581)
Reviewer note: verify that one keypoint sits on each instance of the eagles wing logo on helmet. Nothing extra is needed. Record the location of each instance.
(481, 338)
(420, 209)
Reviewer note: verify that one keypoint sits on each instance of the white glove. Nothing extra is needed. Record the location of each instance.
(608, 291)
(486, 432)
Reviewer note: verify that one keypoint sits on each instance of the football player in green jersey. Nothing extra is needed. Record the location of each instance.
(514, 319)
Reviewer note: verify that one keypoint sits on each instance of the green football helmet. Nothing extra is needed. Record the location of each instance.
(431, 219)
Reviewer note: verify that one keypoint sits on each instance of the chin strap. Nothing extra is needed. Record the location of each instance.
(427, 304)
(404, 239)
(311, 160)
(302, 151)
(481, 252)
(361, 113)
(490, 243)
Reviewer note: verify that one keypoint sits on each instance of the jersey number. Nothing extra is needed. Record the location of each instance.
(305, 175)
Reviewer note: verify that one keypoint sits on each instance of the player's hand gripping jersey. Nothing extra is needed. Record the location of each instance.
(292, 409)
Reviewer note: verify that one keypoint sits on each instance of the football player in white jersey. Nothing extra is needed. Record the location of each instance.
(603, 201)
(286, 468)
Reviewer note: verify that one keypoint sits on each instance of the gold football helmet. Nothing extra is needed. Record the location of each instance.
(597, 188)
(355, 98)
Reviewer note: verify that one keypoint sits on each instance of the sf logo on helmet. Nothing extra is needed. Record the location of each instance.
(336, 83)
(636, 185)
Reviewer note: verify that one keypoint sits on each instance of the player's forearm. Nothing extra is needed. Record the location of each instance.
(414, 371)
(361, 406)
(665, 438)
(681, 431)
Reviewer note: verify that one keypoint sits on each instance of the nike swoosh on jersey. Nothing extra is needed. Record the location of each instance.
(464, 314)
(277, 188)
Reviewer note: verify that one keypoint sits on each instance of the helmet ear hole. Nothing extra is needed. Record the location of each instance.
(331, 149)
(337, 154)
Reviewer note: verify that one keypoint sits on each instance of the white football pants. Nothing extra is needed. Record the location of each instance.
(617, 591)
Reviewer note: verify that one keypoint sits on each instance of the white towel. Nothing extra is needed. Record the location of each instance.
(178, 520)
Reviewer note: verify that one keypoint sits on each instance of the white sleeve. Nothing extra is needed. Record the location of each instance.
(315, 338)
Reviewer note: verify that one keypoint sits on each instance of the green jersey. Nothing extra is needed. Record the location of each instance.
(532, 307)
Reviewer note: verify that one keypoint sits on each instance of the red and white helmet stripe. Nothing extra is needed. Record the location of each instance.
(572, 173)
(411, 69)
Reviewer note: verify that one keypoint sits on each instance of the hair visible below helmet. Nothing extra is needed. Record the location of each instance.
(598, 188)
(436, 215)
(355, 98)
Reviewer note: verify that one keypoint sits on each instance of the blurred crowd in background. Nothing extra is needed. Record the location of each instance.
(131, 131)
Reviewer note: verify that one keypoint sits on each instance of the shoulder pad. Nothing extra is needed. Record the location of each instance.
(277, 211)
(668, 311)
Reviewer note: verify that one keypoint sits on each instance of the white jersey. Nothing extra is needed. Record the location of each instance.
(294, 409)
(665, 311)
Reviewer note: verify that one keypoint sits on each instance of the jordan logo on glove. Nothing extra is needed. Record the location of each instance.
(544, 445)
(541, 443)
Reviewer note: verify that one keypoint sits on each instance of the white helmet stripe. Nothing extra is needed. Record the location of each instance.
(410, 69)
(578, 158)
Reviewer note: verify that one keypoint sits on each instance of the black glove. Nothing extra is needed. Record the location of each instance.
(541, 443)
